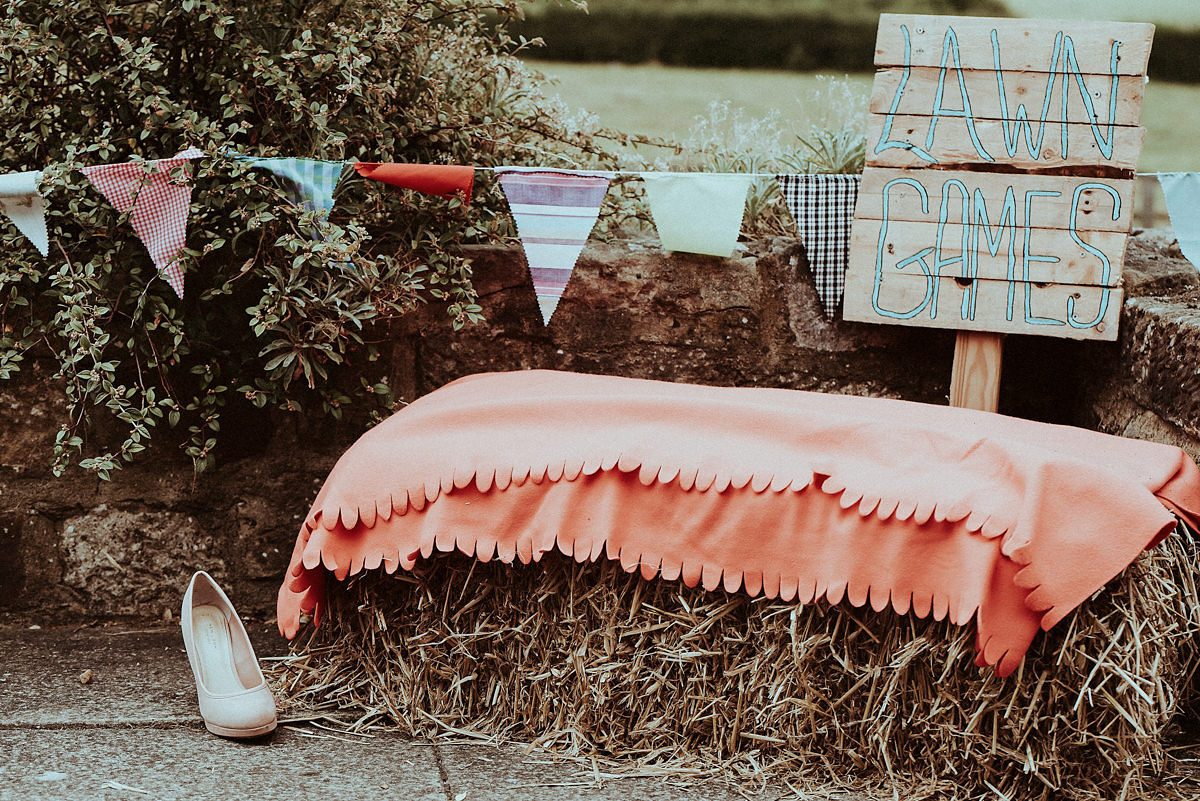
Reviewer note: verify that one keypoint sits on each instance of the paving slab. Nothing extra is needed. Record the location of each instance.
(133, 731)
(479, 771)
(490, 772)
(137, 675)
(186, 762)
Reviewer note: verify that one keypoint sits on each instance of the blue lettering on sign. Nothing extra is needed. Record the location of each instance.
(967, 209)
(1071, 65)
(885, 140)
(1029, 257)
(1063, 70)
(1021, 118)
(916, 258)
(1106, 266)
(964, 246)
(981, 224)
(950, 49)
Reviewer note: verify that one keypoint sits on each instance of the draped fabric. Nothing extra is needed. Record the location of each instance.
(932, 510)
(555, 212)
(157, 195)
(823, 208)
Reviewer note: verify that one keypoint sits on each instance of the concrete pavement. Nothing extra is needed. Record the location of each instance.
(133, 731)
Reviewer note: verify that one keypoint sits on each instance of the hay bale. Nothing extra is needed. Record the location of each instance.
(586, 659)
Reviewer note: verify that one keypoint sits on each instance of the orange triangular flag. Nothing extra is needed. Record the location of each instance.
(445, 180)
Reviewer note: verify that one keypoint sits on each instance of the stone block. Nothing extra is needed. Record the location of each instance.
(136, 562)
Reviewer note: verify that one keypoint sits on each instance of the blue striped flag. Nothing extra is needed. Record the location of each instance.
(309, 183)
(555, 212)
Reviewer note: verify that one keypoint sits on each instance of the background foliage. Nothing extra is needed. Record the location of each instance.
(779, 34)
(271, 315)
(764, 34)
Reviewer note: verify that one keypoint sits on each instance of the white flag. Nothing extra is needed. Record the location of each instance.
(697, 212)
(21, 202)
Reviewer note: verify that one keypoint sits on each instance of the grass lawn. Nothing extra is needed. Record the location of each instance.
(665, 102)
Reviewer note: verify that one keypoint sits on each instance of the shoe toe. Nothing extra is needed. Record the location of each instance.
(246, 714)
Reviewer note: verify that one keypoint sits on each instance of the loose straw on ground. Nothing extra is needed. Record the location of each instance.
(588, 661)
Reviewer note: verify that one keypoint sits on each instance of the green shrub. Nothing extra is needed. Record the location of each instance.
(272, 317)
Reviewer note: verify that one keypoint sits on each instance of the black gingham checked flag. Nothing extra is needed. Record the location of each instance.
(823, 206)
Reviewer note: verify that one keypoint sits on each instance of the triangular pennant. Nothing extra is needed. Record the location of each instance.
(310, 182)
(1182, 191)
(697, 212)
(555, 212)
(21, 202)
(158, 205)
(823, 207)
(445, 180)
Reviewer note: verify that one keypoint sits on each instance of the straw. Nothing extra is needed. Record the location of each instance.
(590, 662)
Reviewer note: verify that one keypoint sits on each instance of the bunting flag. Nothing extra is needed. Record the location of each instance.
(310, 183)
(823, 207)
(158, 205)
(444, 180)
(22, 203)
(697, 212)
(555, 212)
(1182, 190)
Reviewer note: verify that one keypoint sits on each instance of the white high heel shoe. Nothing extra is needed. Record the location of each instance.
(235, 700)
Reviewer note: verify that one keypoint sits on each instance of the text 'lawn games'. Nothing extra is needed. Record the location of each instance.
(999, 181)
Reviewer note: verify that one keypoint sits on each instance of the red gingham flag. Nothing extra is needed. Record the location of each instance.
(159, 206)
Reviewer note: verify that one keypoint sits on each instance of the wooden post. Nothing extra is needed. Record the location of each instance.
(975, 378)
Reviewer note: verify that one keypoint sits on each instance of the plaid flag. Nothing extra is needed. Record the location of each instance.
(823, 206)
(309, 182)
(555, 212)
(158, 206)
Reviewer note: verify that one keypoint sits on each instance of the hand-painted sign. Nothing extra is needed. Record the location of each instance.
(998, 185)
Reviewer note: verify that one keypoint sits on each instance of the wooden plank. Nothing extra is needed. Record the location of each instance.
(903, 141)
(960, 223)
(1070, 262)
(975, 376)
(1022, 45)
(1040, 94)
(1054, 201)
(1009, 307)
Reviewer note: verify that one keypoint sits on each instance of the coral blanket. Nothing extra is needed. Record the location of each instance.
(795, 495)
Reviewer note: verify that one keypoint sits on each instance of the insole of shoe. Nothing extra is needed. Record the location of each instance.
(214, 650)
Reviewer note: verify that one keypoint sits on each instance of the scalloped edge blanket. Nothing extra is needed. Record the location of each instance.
(795, 495)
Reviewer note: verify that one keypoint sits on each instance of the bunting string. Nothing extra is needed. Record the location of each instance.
(554, 209)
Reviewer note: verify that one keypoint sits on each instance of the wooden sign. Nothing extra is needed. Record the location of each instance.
(998, 188)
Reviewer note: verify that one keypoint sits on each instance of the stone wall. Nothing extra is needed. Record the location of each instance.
(78, 546)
